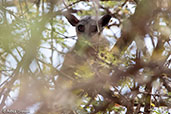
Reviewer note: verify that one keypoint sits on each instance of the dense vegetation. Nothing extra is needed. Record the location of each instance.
(134, 76)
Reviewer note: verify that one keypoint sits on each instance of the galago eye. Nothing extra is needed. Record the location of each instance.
(81, 28)
(93, 28)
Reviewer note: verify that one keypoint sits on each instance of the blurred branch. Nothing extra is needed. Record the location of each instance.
(136, 22)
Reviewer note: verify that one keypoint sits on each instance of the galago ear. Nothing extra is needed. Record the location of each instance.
(104, 20)
(71, 19)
